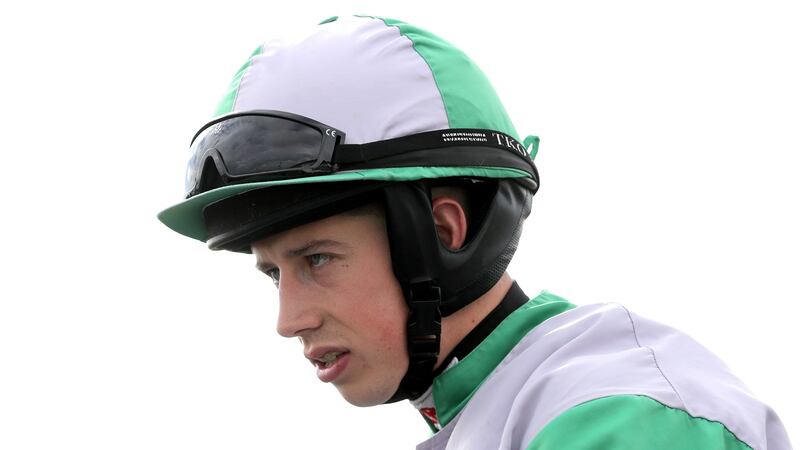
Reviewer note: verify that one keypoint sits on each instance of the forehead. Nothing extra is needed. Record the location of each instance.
(360, 226)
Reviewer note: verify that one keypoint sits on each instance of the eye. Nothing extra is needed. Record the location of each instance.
(274, 274)
(318, 259)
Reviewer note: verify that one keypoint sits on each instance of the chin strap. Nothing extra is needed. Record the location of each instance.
(415, 263)
(424, 331)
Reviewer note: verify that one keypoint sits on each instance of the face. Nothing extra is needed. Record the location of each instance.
(338, 294)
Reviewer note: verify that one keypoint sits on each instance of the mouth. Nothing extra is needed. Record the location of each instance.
(327, 359)
(330, 364)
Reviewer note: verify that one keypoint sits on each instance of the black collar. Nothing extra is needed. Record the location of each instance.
(513, 299)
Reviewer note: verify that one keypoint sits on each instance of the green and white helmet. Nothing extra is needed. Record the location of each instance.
(364, 109)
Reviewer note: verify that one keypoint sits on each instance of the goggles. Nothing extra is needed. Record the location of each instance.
(266, 145)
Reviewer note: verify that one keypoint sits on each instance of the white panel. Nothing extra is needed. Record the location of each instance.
(708, 388)
(330, 77)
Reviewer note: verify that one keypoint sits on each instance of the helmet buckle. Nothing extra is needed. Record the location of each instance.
(425, 320)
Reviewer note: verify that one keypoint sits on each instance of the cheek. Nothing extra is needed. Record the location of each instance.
(385, 320)
(393, 345)
(392, 336)
(377, 303)
(389, 356)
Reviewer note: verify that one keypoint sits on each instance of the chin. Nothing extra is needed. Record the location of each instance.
(365, 397)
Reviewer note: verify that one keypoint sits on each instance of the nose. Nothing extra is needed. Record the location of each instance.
(299, 311)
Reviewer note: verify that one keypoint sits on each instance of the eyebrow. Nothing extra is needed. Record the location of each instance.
(306, 248)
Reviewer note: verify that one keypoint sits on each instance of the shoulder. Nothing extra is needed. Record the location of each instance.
(633, 422)
(591, 360)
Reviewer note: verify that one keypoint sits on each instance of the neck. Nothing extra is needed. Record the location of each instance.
(458, 325)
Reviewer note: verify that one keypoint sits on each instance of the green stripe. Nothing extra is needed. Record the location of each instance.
(455, 387)
(632, 422)
(469, 99)
(226, 104)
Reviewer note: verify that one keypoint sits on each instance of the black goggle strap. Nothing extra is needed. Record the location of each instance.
(456, 137)
(415, 263)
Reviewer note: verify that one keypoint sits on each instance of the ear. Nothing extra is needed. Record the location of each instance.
(450, 220)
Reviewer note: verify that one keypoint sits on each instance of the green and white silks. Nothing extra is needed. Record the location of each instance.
(595, 377)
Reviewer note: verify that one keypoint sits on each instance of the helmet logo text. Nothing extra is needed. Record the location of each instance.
(511, 143)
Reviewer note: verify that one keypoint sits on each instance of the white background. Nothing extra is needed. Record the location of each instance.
(669, 162)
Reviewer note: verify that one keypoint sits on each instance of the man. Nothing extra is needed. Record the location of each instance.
(373, 172)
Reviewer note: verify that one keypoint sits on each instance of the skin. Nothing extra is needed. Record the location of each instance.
(337, 291)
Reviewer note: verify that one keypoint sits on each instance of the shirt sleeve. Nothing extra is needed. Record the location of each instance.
(632, 422)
